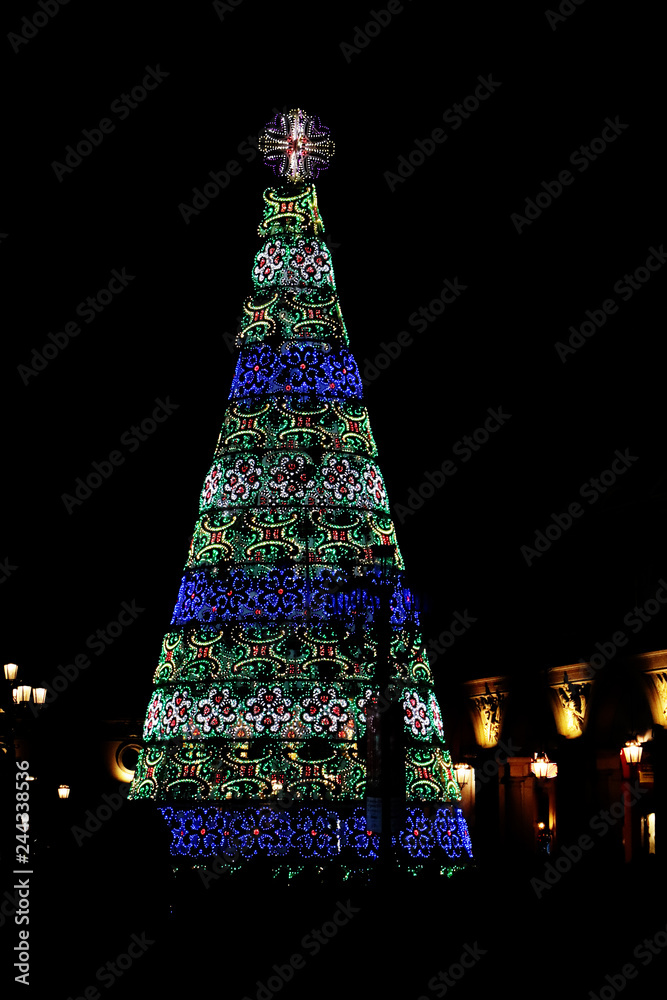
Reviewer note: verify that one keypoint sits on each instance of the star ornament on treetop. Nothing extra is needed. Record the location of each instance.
(296, 145)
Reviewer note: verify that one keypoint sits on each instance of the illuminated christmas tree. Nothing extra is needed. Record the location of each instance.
(294, 639)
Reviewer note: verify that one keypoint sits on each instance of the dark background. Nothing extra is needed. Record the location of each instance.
(164, 335)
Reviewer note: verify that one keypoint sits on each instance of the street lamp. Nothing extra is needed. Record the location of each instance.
(39, 695)
(632, 751)
(542, 767)
(23, 694)
(631, 755)
(11, 671)
(462, 774)
(63, 791)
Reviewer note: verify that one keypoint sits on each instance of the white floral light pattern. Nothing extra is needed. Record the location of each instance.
(310, 259)
(269, 261)
(340, 478)
(177, 711)
(211, 483)
(416, 714)
(242, 479)
(154, 713)
(268, 709)
(374, 485)
(216, 710)
(325, 711)
(290, 480)
(435, 715)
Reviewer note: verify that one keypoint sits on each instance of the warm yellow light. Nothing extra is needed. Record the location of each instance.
(462, 772)
(122, 756)
(11, 671)
(632, 751)
(649, 832)
(23, 694)
(63, 791)
(39, 695)
(542, 767)
(540, 826)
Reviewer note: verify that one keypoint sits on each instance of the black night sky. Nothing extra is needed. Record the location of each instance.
(162, 336)
(556, 87)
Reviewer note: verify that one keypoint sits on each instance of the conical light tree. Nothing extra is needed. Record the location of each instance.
(293, 696)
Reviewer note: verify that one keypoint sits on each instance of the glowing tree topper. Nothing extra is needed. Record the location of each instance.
(296, 145)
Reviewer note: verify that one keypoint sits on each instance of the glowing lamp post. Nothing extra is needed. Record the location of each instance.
(542, 767)
(23, 694)
(539, 765)
(63, 791)
(632, 751)
(39, 695)
(462, 772)
(11, 671)
(631, 755)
